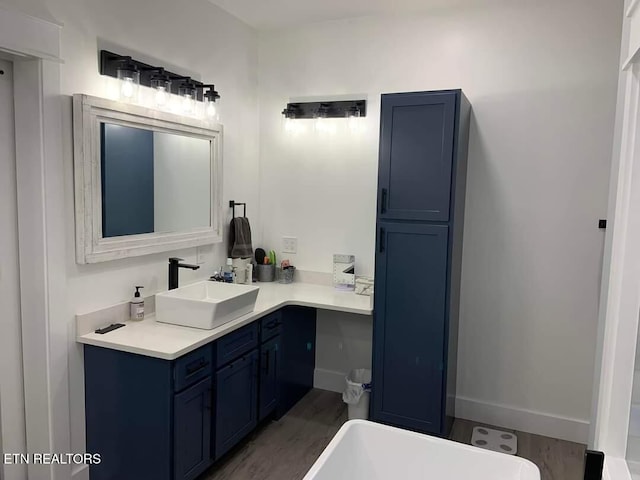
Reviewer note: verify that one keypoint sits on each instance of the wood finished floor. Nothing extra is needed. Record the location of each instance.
(286, 449)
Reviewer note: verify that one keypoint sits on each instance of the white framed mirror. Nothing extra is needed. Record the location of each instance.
(146, 181)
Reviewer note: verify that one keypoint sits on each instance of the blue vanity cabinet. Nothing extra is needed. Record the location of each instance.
(192, 430)
(421, 181)
(171, 419)
(236, 404)
(148, 417)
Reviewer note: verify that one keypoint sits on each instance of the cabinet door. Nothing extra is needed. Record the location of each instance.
(416, 155)
(192, 431)
(298, 358)
(236, 401)
(409, 325)
(269, 365)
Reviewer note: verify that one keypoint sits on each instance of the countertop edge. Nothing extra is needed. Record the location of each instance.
(89, 338)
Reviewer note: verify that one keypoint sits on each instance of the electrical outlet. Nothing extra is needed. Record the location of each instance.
(289, 245)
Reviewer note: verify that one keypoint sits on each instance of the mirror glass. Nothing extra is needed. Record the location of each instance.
(153, 181)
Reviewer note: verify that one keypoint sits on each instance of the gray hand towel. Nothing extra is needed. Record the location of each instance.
(240, 238)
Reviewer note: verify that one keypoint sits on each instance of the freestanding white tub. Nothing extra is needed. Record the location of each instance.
(366, 450)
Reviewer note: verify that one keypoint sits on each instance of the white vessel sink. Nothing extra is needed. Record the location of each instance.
(363, 450)
(205, 305)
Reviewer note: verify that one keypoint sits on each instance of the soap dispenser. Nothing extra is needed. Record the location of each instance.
(136, 310)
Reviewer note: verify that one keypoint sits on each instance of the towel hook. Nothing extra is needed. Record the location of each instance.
(233, 204)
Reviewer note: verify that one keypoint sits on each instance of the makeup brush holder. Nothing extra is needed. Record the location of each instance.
(266, 273)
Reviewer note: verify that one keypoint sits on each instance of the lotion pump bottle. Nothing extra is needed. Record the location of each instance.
(136, 311)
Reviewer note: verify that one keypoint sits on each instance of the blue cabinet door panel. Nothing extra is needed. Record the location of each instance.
(409, 325)
(416, 155)
(192, 431)
(236, 402)
(269, 368)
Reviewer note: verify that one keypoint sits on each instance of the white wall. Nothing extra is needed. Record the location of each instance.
(343, 342)
(541, 77)
(12, 421)
(198, 38)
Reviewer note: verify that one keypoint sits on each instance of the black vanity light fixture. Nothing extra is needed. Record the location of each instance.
(350, 109)
(133, 73)
(329, 109)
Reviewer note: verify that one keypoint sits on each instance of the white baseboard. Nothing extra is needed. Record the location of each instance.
(505, 416)
(329, 380)
(80, 473)
(564, 428)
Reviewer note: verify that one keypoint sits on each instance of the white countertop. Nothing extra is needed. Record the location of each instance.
(162, 340)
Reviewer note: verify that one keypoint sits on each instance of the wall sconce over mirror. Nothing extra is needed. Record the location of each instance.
(132, 74)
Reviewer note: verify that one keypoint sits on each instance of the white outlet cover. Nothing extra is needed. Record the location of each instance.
(289, 245)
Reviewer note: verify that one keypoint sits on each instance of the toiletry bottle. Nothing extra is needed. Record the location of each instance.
(249, 277)
(136, 310)
(228, 272)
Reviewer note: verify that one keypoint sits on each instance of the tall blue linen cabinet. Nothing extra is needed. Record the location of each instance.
(420, 217)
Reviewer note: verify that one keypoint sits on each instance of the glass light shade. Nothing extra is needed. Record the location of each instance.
(187, 103)
(129, 84)
(162, 91)
(212, 109)
(187, 94)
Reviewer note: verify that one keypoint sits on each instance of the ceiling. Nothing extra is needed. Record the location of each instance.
(273, 14)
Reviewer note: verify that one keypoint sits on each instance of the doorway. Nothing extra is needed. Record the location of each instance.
(12, 410)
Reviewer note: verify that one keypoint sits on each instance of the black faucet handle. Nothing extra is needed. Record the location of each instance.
(175, 260)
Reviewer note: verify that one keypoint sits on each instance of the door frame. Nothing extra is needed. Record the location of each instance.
(620, 295)
(34, 45)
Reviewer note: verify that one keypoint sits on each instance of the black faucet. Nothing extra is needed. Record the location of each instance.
(174, 265)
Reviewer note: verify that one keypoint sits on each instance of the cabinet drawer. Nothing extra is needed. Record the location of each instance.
(271, 325)
(237, 343)
(192, 368)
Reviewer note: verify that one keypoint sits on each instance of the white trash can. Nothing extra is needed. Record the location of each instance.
(357, 392)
